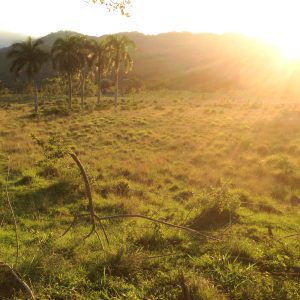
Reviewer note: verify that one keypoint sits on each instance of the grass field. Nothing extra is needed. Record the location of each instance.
(227, 165)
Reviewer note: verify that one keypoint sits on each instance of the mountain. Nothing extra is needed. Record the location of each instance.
(202, 61)
(8, 38)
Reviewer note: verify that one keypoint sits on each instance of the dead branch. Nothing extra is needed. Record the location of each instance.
(88, 192)
(289, 236)
(164, 255)
(190, 230)
(93, 216)
(73, 223)
(19, 279)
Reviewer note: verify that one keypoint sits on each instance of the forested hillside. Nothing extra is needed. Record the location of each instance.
(196, 61)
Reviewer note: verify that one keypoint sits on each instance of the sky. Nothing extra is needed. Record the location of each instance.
(274, 21)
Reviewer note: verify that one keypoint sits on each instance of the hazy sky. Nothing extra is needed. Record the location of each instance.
(276, 21)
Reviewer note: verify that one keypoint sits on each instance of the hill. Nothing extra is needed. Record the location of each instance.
(202, 61)
(7, 38)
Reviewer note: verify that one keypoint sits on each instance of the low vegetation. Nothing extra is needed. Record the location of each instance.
(226, 165)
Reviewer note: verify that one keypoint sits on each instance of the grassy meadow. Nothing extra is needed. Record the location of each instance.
(226, 165)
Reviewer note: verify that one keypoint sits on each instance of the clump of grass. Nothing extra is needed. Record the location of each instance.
(294, 198)
(267, 205)
(221, 206)
(183, 196)
(121, 188)
(152, 240)
(48, 171)
(240, 281)
(199, 288)
(123, 264)
(263, 149)
(25, 180)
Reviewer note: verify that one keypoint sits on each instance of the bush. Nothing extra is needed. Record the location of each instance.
(221, 207)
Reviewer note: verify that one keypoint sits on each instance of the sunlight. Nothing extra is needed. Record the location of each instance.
(289, 45)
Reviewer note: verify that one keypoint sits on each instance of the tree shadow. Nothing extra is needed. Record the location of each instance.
(60, 193)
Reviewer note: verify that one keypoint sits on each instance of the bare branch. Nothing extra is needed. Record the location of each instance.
(19, 279)
(73, 223)
(289, 236)
(89, 196)
(190, 230)
(13, 216)
(120, 5)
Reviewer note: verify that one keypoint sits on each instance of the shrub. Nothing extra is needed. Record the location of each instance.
(221, 207)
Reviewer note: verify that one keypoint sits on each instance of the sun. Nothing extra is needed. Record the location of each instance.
(287, 42)
(289, 46)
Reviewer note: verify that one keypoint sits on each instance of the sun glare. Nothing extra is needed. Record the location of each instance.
(289, 45)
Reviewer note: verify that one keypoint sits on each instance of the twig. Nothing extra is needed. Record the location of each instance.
(165, 255)
(289, 236)
(13, 216)
(73, 223)
(19, 279)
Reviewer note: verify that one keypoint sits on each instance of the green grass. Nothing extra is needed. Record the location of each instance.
(224, 163)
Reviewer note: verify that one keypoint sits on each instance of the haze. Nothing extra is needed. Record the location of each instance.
(276, 22)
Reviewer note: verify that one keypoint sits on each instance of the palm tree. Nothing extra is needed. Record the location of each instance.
(85, 63)
(28, 57)
(101, 59)
(121, 58)
(67, 59)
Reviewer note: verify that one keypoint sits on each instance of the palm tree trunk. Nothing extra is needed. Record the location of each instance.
(36, 100)
(82, 89)
(117, 88)
(99, 87)
(70, 91)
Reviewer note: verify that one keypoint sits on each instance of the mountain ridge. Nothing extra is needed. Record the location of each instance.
(8, 38)
(204, 60)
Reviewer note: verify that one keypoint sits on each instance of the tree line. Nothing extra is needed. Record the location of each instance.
(74, 56)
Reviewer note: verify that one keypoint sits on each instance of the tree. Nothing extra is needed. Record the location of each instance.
(67, 59)
(101, 59)
(3, 89)
(85, 56)
(120, 58)
(28, 57)
(116, 5)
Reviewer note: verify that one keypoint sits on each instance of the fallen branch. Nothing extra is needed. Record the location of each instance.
(92, 214)
(19, 279)
(190, 230)
(289, 236)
